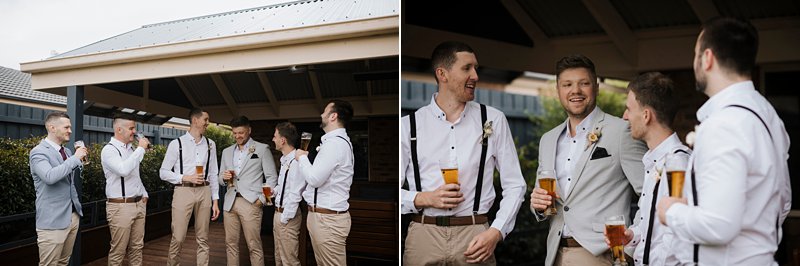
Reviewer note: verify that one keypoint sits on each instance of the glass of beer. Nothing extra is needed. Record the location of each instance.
(199, 170)
(305, 139)
(233, 175)
(139, 136)
(85, 159)
(676, 173)
(615, 230)
(267, 193)
(449, 169)
(547, 181)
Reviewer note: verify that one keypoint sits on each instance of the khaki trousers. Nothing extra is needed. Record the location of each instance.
(126, 223)
(430, 244)
(328, 235)
(247, 216)
(579, 256)
(185, 201)
(55, 246)
(286, 239)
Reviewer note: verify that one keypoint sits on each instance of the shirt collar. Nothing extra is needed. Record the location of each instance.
(668, 145)
(288, 157)
(722, 99)
(584, 125)
(440, 115)
(334, 133)
(246, 145)
(114, 141)
(189, 137)
(56, 146)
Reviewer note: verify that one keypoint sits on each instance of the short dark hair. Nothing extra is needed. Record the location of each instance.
(343, 109)
(288, 131)
(657, 91)
(240, 121)
(444, 55)
(576, 61)
(122, 116)
(51, 117)
(195, 112)
(733, 41)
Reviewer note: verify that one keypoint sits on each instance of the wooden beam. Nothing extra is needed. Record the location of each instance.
(526, 22)
(704, 9)
(264, 80)
(616, 28)
(186, 92)
(312, 76)
(226, 94)
(370, 106)
(145, 93)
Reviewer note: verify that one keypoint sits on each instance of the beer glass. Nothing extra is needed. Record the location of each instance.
(233, 175)
(676, 173)
(449, 169)
(267, 193)
(139, 136)
(199, 170)
(547, 181)
(305, 139)
(85, 159)
(615, 230)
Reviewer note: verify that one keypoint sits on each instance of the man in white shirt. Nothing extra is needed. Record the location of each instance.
(191, 164)
(737, 191)
(329, 180)
(246, 166)
(288, 194)
(126, 206)
(450, 223)
(650, 109)
(598, 169)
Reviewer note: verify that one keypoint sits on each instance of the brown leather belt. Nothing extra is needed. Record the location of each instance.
(125, 200)
(569, 243)
(190, 184)
(279, 209)
(239, 195)
(450, 220)
(324, 211)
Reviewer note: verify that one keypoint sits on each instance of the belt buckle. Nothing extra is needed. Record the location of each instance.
(443, 220)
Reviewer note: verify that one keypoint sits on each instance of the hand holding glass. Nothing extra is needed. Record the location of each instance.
(305, 139)
(547, 181)
(615, 230)
(676, 173)
(79, 144)
(449, 170)
(267, 193)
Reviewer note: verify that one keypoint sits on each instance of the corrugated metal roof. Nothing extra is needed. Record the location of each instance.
(288, 15)
(17, 85)
(561, 18)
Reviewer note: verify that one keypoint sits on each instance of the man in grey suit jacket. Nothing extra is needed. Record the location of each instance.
(58, 210)
(252, 162)
(597, 165)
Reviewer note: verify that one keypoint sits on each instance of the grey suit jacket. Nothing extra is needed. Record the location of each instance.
(55, 187)
(601, 187)
(248, 182)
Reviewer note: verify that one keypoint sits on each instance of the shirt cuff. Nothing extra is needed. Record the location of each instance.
(408, 202)
(674, 219)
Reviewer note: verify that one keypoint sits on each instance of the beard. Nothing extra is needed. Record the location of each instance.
(700, 85)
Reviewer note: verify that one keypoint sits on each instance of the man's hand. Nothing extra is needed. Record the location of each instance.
(663, 207)
(444, 197)
(482, 246)
(226, 176)
(628, 237)
(215, 209)
(144, 200)
(540, 200)
(193, 179)
(81, 152)
(144, 143)
(298, 153)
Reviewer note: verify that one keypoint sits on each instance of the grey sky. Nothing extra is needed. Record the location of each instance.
(34, 28)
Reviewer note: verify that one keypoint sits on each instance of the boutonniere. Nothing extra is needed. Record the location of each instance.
(317, 148)
(251, 150)
(593, 137)
(487, 131)
(658, 173)
(690, 137)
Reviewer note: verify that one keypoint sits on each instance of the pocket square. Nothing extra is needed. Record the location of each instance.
(255, 156)
(599, 153)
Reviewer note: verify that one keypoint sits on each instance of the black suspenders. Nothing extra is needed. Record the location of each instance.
(208, 156)
(353, 159)
(694, 183)
(648, 239)
(415, 160)
(283, 189)
(121, 178)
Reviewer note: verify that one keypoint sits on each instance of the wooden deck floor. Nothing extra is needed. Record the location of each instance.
(155, 251)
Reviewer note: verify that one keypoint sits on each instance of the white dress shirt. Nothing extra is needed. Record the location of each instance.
(654, 161)
(126, 166)
(194, 153)
(460, 141)
(240, 155)
(742, 183)
(289, 176)
(568, 151)
(331, 173)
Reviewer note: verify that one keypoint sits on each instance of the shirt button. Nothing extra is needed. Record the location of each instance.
(641, 218)
(568, 159)
(569, 179)
(452, 148)
(642, 194)
(566, 208)
(648, 172)
(451, 127)
(559, 233)
(573, 141)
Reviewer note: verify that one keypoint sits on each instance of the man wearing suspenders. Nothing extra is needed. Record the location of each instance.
(329, 180)
(191, 164)
(650, 109)
(737, 192)
(288, 194)
(127, 198)
(450, 223)
(252, 165)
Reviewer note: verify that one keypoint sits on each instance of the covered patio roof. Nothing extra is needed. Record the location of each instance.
(274, 62)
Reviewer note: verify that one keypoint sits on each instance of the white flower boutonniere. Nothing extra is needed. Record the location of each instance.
(317, 148)
(251, 150)
(690, 138)
(658, 173)
(593, 137)
(487, 131)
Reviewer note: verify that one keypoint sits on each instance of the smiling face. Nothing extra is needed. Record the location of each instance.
(241, 134)
(278, 140)
(61, 129)
(577, 92)
(634, 114)
(126, 130)
(200, 122)
(461, 78)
